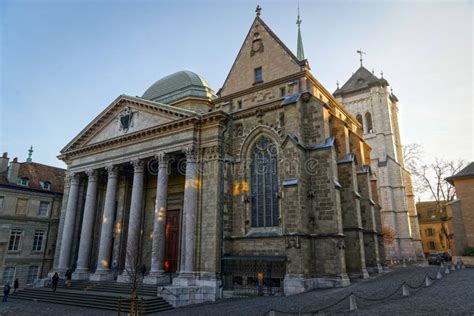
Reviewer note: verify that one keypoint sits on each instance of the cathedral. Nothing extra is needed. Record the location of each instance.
(270, 178)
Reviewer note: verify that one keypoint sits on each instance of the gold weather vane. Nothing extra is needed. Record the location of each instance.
(360, 52)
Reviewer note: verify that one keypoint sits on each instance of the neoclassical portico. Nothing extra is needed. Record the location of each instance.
(110, 173)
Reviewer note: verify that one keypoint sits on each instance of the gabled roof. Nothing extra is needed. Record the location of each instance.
(362, 79)
(274, 36)
(467, 172)
(36, 173)
(112, 110)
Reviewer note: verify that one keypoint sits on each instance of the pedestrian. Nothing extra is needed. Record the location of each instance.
(143, 270)
(54, 281)
(15, 285)
(260, 283)
(114, 269)
(6, 291)
(68, 276)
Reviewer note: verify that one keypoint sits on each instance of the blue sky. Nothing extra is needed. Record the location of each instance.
(63, 62)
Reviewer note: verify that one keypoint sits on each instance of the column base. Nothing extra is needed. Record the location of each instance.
(123, 278)
(362, 274)
(103, 275)
(376, 269)
(297, 283)
(191, 290)
(157, 278)
(81, 275)
(185, 279)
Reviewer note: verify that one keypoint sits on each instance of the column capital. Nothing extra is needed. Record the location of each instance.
(163, 159)
(190, 153)
(91, 174)
(138, 165)
(111, 170)
(72, 177)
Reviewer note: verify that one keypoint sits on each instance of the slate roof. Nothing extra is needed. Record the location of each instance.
(428, 211)
(362, 79)
(36, 172)
(467, 172)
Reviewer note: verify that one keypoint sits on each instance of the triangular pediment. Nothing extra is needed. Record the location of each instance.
(124, 116)
(261, 48)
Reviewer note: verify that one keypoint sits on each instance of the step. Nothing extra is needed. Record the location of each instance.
(107, 301)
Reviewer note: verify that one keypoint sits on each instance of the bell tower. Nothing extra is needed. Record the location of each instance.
(368, 98)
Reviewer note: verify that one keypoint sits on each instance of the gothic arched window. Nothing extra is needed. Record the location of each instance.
(359, 119)
(368, 120)
(264, 183)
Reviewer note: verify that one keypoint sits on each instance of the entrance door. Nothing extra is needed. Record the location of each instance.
(172, 241)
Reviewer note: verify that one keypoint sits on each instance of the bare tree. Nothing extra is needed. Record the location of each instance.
(412, 156)
(433, 177)
(134, 270)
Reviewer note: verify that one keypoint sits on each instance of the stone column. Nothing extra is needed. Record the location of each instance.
(157, 272)
(83, 258)
(134, 222)
(189, 215)
(105, 243)
(68, 229)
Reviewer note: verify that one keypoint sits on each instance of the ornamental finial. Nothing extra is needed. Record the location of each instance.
(258, 10)
(360, 52)
(30, 153)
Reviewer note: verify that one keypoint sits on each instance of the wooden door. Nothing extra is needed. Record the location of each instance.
(172, 241)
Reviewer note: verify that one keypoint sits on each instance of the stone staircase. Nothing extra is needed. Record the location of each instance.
(111, 286)
(100, 295)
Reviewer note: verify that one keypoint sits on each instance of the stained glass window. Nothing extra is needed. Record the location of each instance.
(264, 184)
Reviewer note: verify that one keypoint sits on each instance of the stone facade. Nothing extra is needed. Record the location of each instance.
(30, 202)
(369, 100)
(271, 176)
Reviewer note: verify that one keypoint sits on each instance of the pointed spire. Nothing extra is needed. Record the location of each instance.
(299, 48)
(30, 153)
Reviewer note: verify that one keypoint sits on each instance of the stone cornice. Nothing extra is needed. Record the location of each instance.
(261, 86)
(14, 187)
(149, 133)
(17, 218)
(252, 111)
(138, 136)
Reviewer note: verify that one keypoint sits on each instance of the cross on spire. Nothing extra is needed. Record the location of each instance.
(258, 10)
(360, 52)
(298, 20)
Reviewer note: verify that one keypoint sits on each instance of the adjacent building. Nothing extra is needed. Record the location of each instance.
(269, 175)
(368, 98)
(30, 203)
(436, 227)
(463, 209)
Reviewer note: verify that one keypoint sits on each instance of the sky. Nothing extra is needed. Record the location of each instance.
(63, 62)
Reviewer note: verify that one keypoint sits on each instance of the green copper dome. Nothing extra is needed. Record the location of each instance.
(177, 86)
